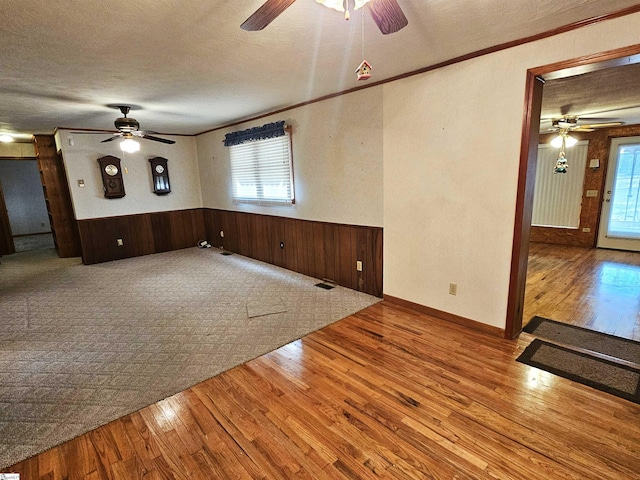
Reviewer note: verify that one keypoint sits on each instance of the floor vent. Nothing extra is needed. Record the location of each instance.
(326, 286)
(226, 253)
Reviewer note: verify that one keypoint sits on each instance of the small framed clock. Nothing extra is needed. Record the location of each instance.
(111, 173)
(160, 175)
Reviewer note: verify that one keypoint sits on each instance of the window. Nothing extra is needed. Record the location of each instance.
(262, 171)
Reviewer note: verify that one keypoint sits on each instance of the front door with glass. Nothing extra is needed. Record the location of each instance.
(620, 218)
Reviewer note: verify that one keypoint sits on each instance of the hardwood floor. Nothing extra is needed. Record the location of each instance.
(386, 393)
(592, 288)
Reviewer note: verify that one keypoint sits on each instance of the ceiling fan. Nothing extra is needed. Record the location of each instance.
(387, 14)
(569, 123)
(128, 128)
(563, 126)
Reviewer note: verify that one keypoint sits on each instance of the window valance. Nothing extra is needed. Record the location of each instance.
(270, 130)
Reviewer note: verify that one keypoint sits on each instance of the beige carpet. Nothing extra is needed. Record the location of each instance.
(83, 345)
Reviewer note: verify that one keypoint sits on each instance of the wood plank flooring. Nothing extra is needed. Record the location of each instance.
(592, 288)
(387, 393)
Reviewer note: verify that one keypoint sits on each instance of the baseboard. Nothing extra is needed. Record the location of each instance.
(449, 317)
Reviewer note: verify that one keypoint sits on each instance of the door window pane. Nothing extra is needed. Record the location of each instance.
(624, 218)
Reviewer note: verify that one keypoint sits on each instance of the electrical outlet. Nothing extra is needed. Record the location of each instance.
(222, 233)
(120, 242)
(453, 289)
(281, 244)
(359, 266)
(586, 229)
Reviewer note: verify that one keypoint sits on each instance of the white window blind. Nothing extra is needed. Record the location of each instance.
(557, 197)
(262, 171)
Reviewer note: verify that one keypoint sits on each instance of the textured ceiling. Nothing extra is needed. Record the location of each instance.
(188, 67)
(606, 95)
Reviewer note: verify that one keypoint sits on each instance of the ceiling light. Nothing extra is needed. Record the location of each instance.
(557, 141)
(6, 138)
(129, 145)
(342, 5)
(569, 141)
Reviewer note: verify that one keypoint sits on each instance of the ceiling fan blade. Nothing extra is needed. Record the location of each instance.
(157, 139)
(266, 14)
(91, 132)
(601, 125)
(388, 15)
(111, 139)
(583, 129)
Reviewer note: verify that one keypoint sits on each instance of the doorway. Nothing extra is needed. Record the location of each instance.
(528, 159)
(25, 207)
(620, 219)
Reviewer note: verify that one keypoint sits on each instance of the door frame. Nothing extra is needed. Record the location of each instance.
(527, 167)
(7, 247)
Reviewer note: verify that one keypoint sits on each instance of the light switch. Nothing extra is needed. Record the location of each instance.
(594, 163)
(592, 193)
(81, 183)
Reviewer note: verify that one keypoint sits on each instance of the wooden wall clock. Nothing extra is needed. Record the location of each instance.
(111, 177)
(160, 175)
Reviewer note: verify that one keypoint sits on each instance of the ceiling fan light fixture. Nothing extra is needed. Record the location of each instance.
(343, 5)
(359, 3)
(557, 141)
(563, 140)
(6, 138)
(335, 4)
(129, 145)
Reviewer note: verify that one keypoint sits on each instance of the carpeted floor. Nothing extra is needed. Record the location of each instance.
(83, 345)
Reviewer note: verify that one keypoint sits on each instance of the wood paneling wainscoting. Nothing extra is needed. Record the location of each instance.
(319, 249)
(141, 234)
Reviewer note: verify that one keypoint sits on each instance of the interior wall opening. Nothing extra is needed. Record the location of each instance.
(572, 280)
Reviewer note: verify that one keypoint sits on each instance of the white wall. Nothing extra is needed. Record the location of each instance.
(451, 156)
(337, 161)
(88, 202)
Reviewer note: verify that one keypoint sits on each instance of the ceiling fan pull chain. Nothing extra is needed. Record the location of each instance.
(347, 15)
